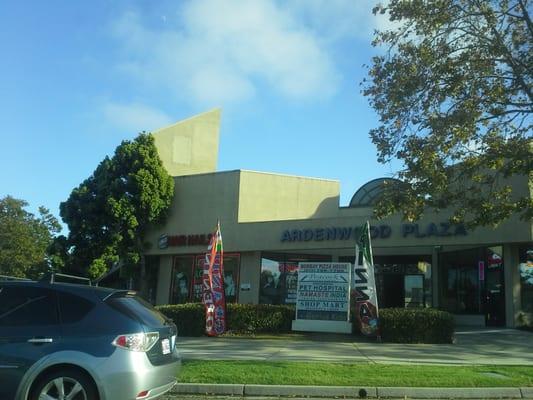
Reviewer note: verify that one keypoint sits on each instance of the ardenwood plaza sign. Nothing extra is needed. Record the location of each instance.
(418, 231)
(323, 297)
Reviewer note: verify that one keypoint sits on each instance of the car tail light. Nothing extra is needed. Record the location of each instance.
(137, 341)
(142, 395)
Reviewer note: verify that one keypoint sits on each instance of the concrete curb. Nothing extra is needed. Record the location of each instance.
(453, 393)
(352, 391)
(311, 391)
(208, 388)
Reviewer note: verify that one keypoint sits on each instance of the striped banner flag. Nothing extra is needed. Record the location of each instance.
(213, 286)
(364, 285)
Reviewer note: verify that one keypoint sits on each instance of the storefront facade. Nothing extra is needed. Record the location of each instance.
(270, 223)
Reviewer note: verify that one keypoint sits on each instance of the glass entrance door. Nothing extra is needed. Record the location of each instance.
(494, 301)
(462, 285)
(393, 294)
(473, 283)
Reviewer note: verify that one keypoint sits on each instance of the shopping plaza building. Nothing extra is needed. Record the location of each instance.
(272, 222)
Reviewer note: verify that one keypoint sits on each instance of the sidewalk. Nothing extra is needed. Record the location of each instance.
(474, 346)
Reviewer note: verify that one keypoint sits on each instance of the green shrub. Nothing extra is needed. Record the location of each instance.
(259, 318)
(240, 318)
(416, 325)
(189, 317)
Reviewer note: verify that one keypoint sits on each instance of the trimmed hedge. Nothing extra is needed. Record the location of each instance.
(241, 318)
(398, 325)
(189, 318)
(416, 325)
(259, 318)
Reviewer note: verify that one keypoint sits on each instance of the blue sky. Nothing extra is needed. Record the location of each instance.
(77, 78)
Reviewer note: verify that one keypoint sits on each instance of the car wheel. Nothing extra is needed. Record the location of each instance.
(64, 385)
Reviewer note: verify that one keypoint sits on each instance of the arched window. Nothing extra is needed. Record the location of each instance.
(368, 194)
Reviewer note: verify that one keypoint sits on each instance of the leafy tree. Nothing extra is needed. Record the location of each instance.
(108, 213)
(25, 239)
(454, 92)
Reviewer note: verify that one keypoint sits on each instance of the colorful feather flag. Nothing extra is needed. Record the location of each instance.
(213, 286)
(364, 285)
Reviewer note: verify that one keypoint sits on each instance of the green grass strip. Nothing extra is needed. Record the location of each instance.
(342, 374)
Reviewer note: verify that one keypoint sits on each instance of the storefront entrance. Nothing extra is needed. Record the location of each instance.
(494, 301)
(402, 281)
(393, 291)
(473, 283)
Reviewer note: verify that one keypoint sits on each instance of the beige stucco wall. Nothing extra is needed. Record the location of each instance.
(190, 146)
(201, 199)
(275, 197)
(249, 275)
(163, 279)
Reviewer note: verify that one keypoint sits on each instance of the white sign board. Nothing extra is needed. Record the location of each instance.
(323, 292)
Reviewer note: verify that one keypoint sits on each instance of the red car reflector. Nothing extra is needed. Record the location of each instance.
(121, 341)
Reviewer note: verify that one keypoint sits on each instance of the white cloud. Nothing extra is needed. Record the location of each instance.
(135, 117)
(343, 19)
(214, 52)
(219, 51)
(337, 19)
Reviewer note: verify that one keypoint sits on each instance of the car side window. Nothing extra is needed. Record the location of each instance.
(73, 308)
(21, 306)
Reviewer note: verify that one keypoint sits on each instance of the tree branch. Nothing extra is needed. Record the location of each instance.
(526, 17)
(510, 60)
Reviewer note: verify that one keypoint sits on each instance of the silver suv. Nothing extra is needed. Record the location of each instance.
(68, 341)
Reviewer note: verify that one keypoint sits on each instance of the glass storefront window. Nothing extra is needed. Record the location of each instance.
(180, 289)
(198, 272)
(402, 281)
(187, 278)
(279, 276)
(414, 290)
(461, 281)
(525, 255)
(462, 288)
(231, 276)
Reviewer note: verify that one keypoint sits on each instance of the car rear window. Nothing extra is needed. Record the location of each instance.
(136, 307)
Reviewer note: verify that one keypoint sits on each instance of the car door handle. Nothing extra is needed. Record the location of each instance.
(40, 340)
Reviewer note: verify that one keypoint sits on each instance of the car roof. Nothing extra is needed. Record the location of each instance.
(101, 292)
